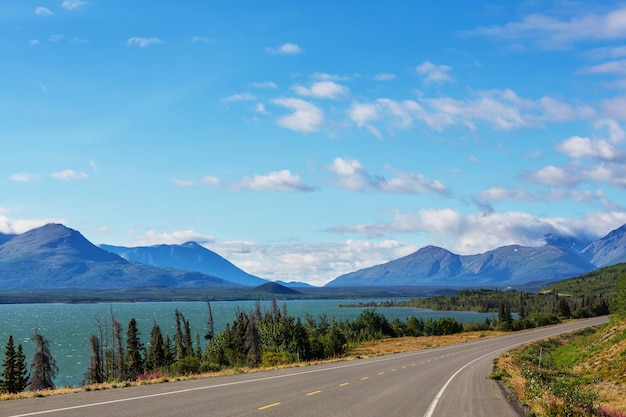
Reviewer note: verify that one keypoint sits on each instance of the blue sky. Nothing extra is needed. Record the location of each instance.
(303, 140)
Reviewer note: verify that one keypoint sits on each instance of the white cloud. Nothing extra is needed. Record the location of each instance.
(552, 33)
(615, 132)
(276, 181)
(143, 42)
(500, 194)
(23, 177)
(318, 262)
(306, 117)
(68, 175)
(183, 183)
(323, 89)
(172, 238)
(499, 109)
(73, 4)
(18, 226)
(285, 49)
(239, 97)
(34, 42)
(362, 113)
(616, 107)
(56, 38)
(610, 67)
(473, 234)
(577, 147)
(434, 73)
(551, 175)
(352, 175)
(608, 52)
(209, 180)
(260, 108)
(43, 11)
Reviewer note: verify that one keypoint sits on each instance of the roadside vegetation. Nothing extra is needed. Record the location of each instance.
(577, 374)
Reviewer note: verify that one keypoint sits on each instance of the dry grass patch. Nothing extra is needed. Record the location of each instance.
(406, 344)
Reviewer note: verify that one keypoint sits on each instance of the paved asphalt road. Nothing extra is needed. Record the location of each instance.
(446, 381)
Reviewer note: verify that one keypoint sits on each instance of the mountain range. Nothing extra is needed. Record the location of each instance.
(512, 265)
(56, 257)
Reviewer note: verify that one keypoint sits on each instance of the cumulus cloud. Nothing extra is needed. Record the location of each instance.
(323, 89)
(68, 175)
(548, 32)
(284, 49)
(276, 181)
(352, 175)
(43, 11)
(306, 116)
(577, 147)
(552, 175)
(143, 42)
(73, 4)
(434, 74)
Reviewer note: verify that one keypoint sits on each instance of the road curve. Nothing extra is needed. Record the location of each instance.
(446, 381)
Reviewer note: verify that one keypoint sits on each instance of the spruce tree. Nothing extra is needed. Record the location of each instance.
(134, 349)
(43, 368)
(14, 373)
(156, 358)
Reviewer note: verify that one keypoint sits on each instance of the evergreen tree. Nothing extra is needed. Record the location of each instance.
(155, 358)
(43, 368)
(14, 373)
(134, 350)
(210, 322)
(563, 309)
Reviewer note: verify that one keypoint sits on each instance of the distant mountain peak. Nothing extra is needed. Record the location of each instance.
(56, 239)
(190, 256)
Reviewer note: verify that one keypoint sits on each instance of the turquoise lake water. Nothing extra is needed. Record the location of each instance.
(69, 326)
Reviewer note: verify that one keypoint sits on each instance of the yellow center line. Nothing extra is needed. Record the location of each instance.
(314, 392)
(404, 367)
(268, 406)
(394, 370)
(381, 373)
(344, 384)
(364, 378)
